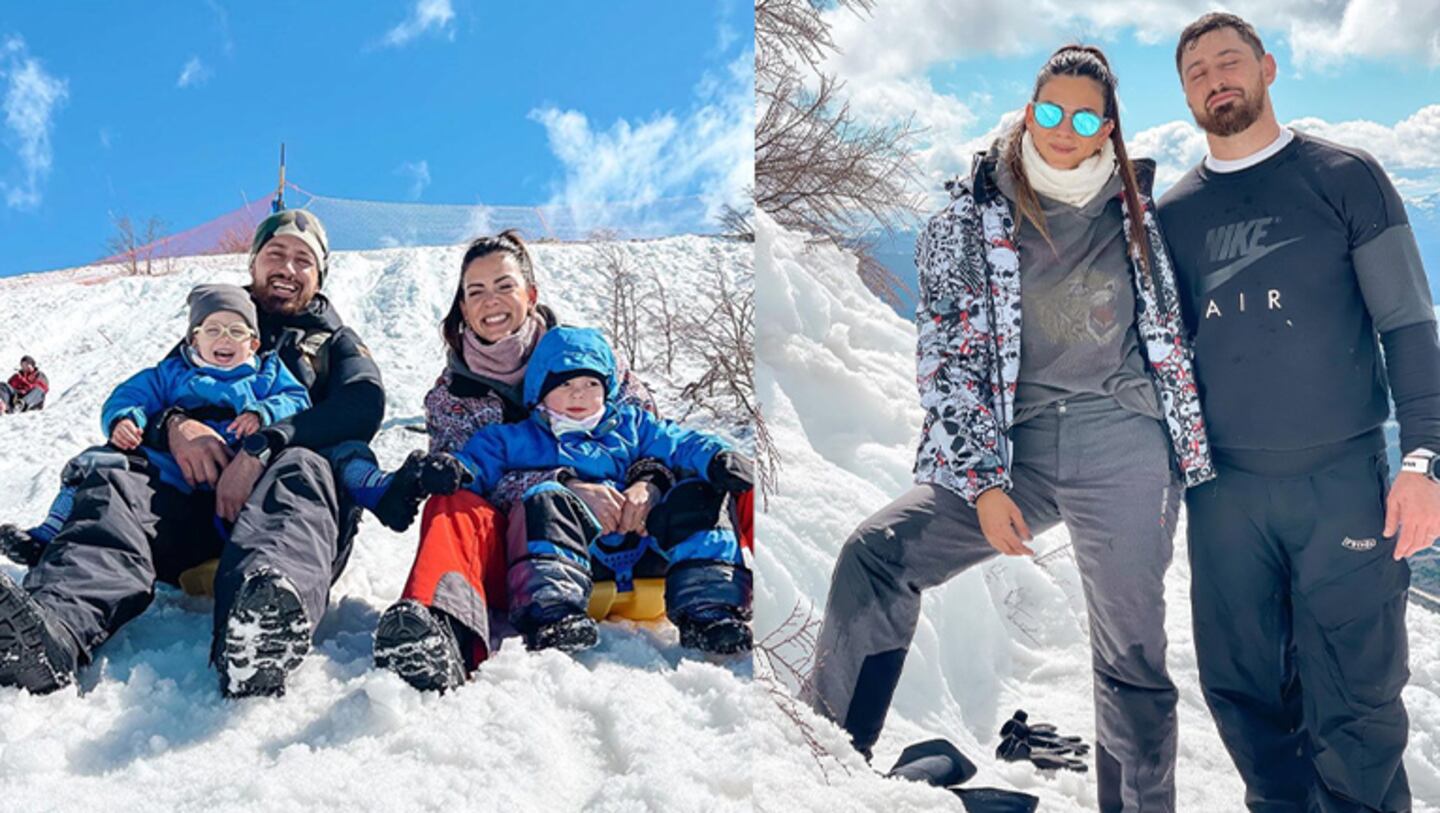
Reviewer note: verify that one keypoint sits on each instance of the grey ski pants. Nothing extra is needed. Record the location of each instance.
(1105, 473)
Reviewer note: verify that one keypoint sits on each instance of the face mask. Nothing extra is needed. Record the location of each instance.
(562, 424)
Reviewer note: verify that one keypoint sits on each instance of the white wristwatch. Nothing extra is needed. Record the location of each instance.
(1422, 461)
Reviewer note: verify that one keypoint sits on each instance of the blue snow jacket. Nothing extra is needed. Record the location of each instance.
(209, 394)
(604, 454)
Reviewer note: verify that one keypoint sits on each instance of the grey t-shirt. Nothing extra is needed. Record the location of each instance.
(1077, 305)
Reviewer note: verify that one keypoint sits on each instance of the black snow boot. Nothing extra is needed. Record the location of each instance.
(397, 507)
(266, 637)
(721, 631)
(19, 546)
(420, 646)
(34, 655)
(570, 633)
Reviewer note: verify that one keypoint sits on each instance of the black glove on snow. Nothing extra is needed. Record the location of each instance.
(1040, 744)
(19, 546)
(442, 474)
(731, 471)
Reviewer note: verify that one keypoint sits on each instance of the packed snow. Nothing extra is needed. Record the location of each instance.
(636, 723)
(835, 374)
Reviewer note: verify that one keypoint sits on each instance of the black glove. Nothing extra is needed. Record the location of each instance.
(442, 474)
(400, 503)
(731, 471)
(19, 546)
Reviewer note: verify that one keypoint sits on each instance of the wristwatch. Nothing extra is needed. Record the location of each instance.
(1422, 461)
(258, 446)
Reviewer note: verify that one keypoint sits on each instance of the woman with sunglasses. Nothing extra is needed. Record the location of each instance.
(1079, 407)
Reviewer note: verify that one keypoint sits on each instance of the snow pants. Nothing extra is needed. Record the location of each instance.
(32, 400)
(1299, 614)
(129, 529)
(554, 541)
(460, 567)
(1103, 471)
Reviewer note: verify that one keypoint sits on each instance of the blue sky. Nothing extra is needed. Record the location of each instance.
(176, 110)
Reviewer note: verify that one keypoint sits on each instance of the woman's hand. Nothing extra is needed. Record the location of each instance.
(604, 502)
(640, 497)
(1002, 524)
(126, 435)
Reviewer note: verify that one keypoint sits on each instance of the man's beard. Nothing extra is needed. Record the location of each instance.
(1233, 116)
(281, 305)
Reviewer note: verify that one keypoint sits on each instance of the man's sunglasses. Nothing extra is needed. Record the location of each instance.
(1085, 122)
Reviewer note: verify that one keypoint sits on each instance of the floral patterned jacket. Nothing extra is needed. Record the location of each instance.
(968, 323)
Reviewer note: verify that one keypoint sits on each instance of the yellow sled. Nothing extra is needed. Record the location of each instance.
(200, 579)
(645, 603)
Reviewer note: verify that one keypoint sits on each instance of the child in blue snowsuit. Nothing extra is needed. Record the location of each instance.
(577, 427)
(215, 378)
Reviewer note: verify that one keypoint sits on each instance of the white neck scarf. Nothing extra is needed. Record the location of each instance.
(561, 424)
(1075, 187)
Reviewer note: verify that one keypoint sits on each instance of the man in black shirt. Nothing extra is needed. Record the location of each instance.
(1296, 263)
(271, 512)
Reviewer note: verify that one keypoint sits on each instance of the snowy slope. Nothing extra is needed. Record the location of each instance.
(835, 372)
(634, 724)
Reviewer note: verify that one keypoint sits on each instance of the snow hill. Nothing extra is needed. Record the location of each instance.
(835, 372)
(635, 724)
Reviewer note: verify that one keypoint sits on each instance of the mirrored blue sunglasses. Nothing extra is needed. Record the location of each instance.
(1085, 122)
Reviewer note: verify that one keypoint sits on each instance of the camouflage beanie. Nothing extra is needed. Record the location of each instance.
(299, 224)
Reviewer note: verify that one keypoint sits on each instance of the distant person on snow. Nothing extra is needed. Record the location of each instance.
(216, 378)
(292, 525)
(26, 389)
(576, 425)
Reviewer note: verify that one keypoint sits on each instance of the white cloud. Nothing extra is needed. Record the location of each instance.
(1375, 28)
(428, 15)
(31, 98)
(419, 174)
(1175, 146)
(193, 74)
(711, 147)
(902, 40)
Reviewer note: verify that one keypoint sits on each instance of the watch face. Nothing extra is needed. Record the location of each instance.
(256, 444)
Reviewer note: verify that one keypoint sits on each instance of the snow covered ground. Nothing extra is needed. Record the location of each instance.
(636, 723)
(835, 373)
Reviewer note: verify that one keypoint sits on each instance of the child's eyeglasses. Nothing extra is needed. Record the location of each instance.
(1049, 115)
(237, 332)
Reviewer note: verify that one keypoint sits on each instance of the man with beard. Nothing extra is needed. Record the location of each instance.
(272, 513)
(1296, 264)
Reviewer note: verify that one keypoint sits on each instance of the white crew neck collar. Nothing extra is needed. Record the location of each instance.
(1221, 165)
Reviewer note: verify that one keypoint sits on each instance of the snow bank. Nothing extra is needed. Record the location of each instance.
(835, 369)
(635, 723)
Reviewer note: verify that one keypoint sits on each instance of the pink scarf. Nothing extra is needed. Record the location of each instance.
(505, 360)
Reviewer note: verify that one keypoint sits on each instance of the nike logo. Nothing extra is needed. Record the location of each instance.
(1225, 273)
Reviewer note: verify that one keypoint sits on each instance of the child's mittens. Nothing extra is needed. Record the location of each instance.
(442, 474)
(731, 471)
(126, 435)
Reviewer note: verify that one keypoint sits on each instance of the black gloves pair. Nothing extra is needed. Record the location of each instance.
(1041, 744)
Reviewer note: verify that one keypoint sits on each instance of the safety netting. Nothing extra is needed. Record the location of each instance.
(354, 224)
